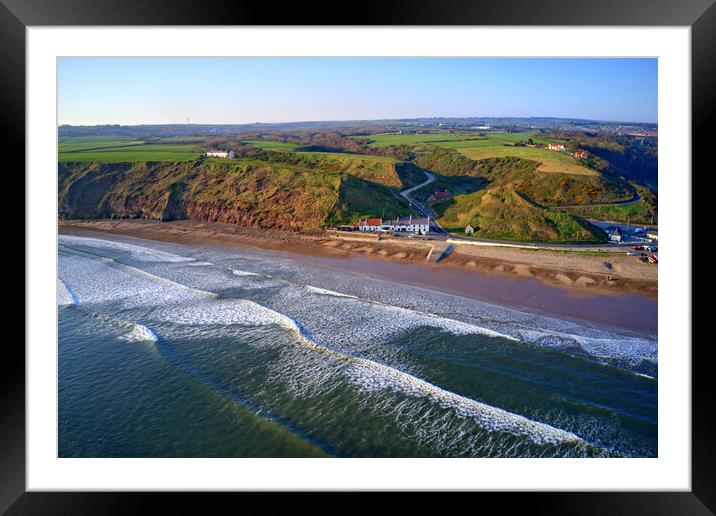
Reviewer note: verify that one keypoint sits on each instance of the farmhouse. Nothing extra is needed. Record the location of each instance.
(559, 147)
(580, 154)
(419, 225)
(220, 154)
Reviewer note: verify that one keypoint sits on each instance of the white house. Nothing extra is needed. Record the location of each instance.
(408, 224)
(652, 234)
(615, 236)
(220, 154)
(559, 147)
(469, 230)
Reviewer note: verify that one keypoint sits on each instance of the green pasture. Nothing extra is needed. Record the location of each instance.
(129, 154)
(454, 140)
(94, 142)
(388, 139)
(121, 149)
(274, 146)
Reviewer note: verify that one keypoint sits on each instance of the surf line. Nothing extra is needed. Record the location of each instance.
(473, 328)
(492, 418)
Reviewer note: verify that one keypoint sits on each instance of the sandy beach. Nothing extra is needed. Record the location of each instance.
(565, 283)
(580, 271)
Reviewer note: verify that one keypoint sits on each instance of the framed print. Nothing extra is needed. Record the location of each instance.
(416, 253)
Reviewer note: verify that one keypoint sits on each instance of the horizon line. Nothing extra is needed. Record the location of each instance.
(141, 124)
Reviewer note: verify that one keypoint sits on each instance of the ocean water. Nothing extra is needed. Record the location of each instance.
(179, 351)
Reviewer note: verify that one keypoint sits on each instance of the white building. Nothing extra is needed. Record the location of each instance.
(220, 154)
(615, 235)
(559, 147)
(652, 234)
(469, 230)
(419, 225)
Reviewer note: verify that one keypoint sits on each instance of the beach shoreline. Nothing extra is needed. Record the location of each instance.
(553, 283)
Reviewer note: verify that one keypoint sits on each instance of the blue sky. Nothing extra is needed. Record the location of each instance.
(245, 90)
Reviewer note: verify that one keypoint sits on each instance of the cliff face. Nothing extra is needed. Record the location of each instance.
(248, 193)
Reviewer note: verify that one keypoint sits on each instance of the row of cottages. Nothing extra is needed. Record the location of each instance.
(220, 154)
(419, 225)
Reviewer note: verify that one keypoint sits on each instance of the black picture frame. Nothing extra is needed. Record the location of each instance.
(700, 15)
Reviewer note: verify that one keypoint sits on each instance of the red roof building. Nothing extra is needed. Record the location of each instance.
(441, 196)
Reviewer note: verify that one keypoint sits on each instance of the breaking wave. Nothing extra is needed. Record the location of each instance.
(140, 333)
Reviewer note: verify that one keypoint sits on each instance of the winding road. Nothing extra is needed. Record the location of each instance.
(407, 192)
(424, 210)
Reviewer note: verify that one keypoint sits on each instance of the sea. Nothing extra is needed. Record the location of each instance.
(169, 350)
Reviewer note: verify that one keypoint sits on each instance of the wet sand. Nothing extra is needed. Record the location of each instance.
(567, 292)
(627, 311)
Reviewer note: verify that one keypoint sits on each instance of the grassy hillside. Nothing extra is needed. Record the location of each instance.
(245, 192)
(505, 192)
(524, 176)
(502, 213)
(376, 169)
(356, 200)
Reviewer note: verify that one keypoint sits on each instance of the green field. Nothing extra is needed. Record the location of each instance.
(127, 156)
(120, 150)
(498, 145)
(274, 146)
(94, 142)
(454, 140)
(494, 144)
(388, 139)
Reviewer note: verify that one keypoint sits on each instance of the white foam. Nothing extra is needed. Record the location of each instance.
(325, 292)
(140, 333)
(138, 252)
(488, 417)
(237, 272)
(216, 311)
(64, 295)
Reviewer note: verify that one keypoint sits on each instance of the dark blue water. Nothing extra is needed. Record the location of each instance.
(175, 351)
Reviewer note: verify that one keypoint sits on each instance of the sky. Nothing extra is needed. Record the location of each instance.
(220, 90)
